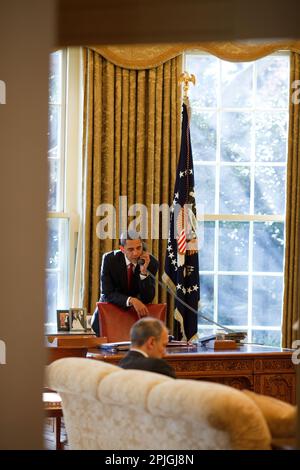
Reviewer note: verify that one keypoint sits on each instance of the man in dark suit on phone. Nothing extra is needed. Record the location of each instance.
(149, 338)
(124, 278)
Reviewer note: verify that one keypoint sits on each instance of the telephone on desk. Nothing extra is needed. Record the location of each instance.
(206, 339)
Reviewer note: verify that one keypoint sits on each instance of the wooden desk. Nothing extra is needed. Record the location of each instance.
(65, 344)
(262, 369)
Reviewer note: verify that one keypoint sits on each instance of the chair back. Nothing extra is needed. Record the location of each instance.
(116, 322)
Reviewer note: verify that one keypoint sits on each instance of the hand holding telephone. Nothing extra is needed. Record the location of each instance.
(144, 260)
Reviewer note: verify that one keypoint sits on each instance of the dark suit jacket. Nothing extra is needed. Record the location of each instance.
(114, 285)
(136, 360)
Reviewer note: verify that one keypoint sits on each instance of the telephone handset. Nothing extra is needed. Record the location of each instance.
(142, 261)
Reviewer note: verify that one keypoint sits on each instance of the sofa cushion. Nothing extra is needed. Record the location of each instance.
(221, 407)
(281, 417)
(77, 375)
(130, 388)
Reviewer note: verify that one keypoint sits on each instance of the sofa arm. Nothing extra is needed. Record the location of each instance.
(77, 375)
(280, 416)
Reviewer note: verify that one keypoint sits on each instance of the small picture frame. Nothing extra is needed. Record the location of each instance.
(77, 319)
(62, 317)
(89, 322)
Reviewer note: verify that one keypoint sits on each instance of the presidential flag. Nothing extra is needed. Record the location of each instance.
(182, 264)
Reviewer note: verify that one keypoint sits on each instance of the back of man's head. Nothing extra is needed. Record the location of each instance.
(145, 328)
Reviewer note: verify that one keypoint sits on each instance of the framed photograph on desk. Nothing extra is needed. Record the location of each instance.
(62, 317)
(77, 319)
(89, 322)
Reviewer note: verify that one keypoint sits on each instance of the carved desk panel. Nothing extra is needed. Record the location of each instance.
(263, 369)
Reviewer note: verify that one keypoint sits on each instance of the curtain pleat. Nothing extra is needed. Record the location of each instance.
(291, 271)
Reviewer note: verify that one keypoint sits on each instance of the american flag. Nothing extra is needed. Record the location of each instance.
(182, 264)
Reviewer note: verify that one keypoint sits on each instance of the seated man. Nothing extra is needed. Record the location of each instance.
(124, 281)
(149, 338)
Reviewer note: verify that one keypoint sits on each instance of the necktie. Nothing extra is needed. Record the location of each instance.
(130, 276)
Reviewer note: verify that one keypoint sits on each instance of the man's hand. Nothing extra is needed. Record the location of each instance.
(143, 268)
(139, 307)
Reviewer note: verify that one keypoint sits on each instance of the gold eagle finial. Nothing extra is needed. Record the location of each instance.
(186, 78)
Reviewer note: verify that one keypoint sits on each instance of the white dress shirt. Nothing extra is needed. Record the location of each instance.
(142, 276)
(139, 351)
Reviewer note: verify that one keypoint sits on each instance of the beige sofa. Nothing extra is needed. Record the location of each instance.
(106, 407)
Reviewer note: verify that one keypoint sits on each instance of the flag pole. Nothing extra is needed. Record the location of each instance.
(181, 263)
(185, 79)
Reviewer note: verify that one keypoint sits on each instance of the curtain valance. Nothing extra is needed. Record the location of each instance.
(145, 56)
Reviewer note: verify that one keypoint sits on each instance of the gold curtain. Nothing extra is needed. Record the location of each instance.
(131, 144)
(291, 272)
(144, 56)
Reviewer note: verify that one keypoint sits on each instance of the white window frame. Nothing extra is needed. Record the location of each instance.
(251, 217)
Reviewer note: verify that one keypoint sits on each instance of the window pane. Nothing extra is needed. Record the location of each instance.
(268, 246)
(205, 330)
(55, 134)
(53, 248)
(267, 300)
(267, 337)
(56, 264)
(206, 253)
(57, 242)
(51, 296)
(55, 181)
(233, 246)
(205, 69)
(237, 87)
(53, 169)
(203, 132)
(55, 77)
(234, 190)
(54, 129)
(207, 297)
(272, 80)
(205, 188)
(269, 192)
(271, 137)
(236, 136)
(233, 300)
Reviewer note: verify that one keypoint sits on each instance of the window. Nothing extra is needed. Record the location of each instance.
(239, 130)
(58, 221)
(65, 160)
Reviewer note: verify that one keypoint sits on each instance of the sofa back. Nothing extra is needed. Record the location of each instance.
(106, 407)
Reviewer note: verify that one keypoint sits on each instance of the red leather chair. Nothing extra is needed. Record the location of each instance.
(115, 322)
